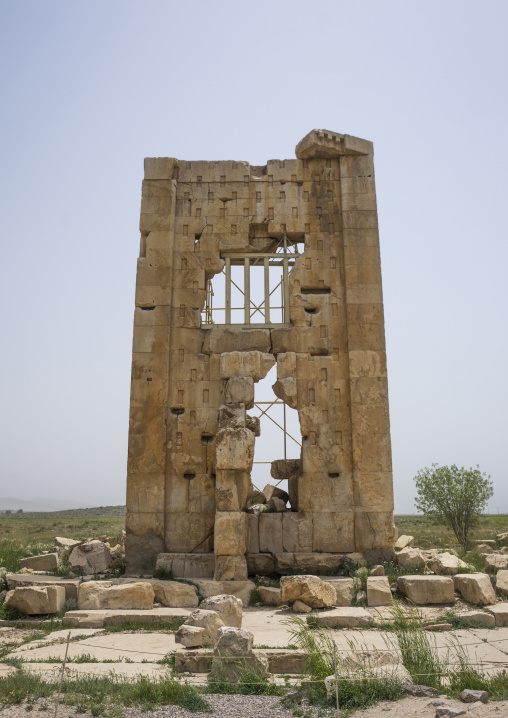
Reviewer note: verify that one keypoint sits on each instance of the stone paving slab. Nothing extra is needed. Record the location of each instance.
(59, 637)
(100, 618)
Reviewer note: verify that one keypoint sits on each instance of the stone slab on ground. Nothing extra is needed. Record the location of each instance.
(99, 619)
(240, 589)
(423, 590)
(348, 616)
(279, 661)
(51, 671)
(44, 562)
(59, 637)
(500, 611)
(19, 580)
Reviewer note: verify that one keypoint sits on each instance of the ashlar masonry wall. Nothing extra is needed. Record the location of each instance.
(191, 440)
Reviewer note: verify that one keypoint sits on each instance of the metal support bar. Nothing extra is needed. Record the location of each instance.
(228, 290)
(267, 291)
(246, 284)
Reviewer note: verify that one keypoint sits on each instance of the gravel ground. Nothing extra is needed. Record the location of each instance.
(268, 707)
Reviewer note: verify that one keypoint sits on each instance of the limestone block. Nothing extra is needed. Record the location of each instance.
(232, 489)
(500, 611)
(502, 582)
(210, 621)
(187, 565)
(252, 532)
(94, 595)
(253, 423)
(301, 607)
(253, 364)
(270, 596)
(30, 600)
(446, 564)
(270, 533)
(230, 568)
(495, 561)
(367, 363)
(274, 491)
(230, 534)
(348, 617)
(219, 340)
(56, 598)
(240, 589)
(227, 606)
(232, 416)
(284, 469)
(410, 558)
(296, 532)
(286, 365)
(191, 636)
(175, 594)
(333, 533)
(235, 449)
(423, 590)
(260, 564)
(475, 588)
(276, 505)
(377, 571)
(233, 654)
(17, 580)
(287, 390)
(378, 591)
(188, 532)
(309, 589)
(160, 168)
(90, 557)
(240, 389)
(45, 562)
(344, 589)
(477, 618)
(308, 562)
(404, 542)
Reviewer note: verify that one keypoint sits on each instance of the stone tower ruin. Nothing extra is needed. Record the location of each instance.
(195, 368)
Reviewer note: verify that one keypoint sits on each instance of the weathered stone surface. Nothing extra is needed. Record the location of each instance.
(45, 562)
(348, 617)
(377, 571)
(227, 606)
(308, 589)
(252, 364)
(495, 561)
(301, 607)
(378, 591)
(423, 590)
(90, 557)
(231, 339)
(502, 582)
(103, 595)
(65, 543)
(235, 449)
(449, 712)
(187, 565)
(36, 601)
(171, 593)
(477, 618)
(276, 505)
(404, 542)
(469, 695)
(311, 563)
(410, 558)
(230, 534)
(446, 564)
(500, 611)
(70, 585)
(271, 491)
(475, 588)
(240, 589)
(240, 389)
(233, 653)
(260, 564)
(230, 568)
(285, 469)
(191, 636)
(344, 589)
(270, 596)
(209, 621)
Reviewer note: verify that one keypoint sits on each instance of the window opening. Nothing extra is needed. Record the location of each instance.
(253, 287)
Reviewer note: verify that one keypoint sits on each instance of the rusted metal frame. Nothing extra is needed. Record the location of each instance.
(264, 413)
(228, 290)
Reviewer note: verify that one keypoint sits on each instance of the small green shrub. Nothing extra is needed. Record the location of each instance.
(164, 574)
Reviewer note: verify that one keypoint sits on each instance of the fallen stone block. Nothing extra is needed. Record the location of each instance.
(475, 588)
(233, 653)
(495, 561)
(377, 571)
(227, 606)
(469, 695)
(378, 591)
(410, 558)
(44, 562)
(423, 590)
(270, 596)
(500, 611)
(276, 505)
(446, 564)
(70, 585)
(210, 621)
(448, 712)
(102, 595)
(419, 691)
(275, 492)
(349, 617)
(90, 557)
(191, 636)
(301, 607)
(502, 582)
(173, 594)
(308, 589)
(344, 589)
(240, 589)
(404, 542)
(36, 601)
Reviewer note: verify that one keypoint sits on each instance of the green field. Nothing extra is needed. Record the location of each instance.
(31, 533)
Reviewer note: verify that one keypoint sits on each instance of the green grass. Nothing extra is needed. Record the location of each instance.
(248, 682)
(167, 626)
(430, 534)
(99, 694)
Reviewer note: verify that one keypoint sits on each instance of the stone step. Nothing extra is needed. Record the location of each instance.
(118, 617)
(348, 616)
(280, 661)
(20, 580)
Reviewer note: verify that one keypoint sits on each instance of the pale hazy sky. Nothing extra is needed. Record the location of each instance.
(90, 88)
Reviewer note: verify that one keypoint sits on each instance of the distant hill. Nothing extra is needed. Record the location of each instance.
(36, 504)
(94, 512)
